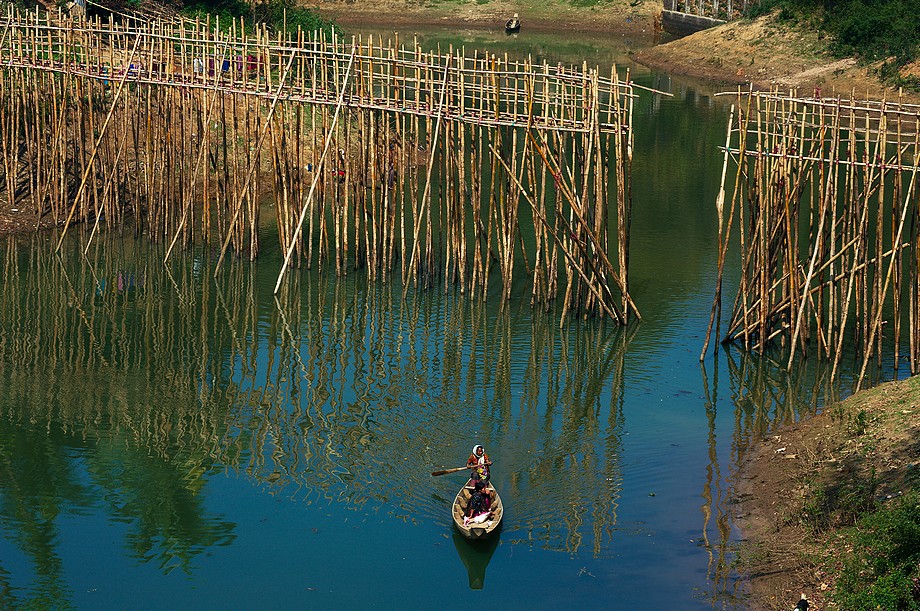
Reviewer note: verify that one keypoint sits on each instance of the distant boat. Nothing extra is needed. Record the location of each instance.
(513, 24)
(476, 530)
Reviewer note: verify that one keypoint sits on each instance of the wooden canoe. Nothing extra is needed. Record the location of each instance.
(481, 529)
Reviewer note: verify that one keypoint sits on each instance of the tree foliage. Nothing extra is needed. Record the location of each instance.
(868, 29)
(277, 14)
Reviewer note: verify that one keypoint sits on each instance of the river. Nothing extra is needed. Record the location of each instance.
(168, 440)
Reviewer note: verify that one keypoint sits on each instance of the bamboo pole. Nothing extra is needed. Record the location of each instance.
(426, 193)
(89, 163)
(317, 172)
(252, 166)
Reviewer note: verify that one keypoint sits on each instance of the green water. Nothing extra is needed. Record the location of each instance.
(168, 440)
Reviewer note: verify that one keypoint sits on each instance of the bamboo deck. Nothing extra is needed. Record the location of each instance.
(377, 156)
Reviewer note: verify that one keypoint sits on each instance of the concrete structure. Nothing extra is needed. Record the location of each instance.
(682, 24)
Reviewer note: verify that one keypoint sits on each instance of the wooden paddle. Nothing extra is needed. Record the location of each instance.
(446, 471)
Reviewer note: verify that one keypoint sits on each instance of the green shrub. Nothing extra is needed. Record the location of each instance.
(841, 504)
(277, 14)
(875, 30)
(224, 8)
(286, 13)
(883, 570)
(859, 424)
(867, 29)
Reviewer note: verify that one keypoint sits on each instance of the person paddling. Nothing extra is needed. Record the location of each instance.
(479, 462)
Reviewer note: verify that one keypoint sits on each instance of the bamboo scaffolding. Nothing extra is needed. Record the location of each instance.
(176, 124)
(826, 193)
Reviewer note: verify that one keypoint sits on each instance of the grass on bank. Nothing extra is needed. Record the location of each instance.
(882, 570)
(279, 15)
(870, 30)
(874, 537)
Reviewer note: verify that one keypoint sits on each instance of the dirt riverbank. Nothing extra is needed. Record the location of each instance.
(864, 449)
(767, 54)
(635, 18)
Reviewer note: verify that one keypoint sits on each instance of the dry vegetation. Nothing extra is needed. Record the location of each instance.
(767, 54)
(805, 482)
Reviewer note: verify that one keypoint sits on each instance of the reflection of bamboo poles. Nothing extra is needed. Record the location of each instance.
(857, 192)
(716, 497)
(575, 386)
(764, 396)
(321, 386)
(183, 151)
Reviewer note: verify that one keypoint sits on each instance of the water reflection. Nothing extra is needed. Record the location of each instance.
(94, 419)
(353, 382)
(133, 381)
(49, 475)
(764, 395)
(475, 556)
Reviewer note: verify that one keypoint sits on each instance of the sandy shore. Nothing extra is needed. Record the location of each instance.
(617, 17)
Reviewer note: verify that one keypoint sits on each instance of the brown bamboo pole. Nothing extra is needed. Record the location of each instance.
(609, 309)
(317, 170)
(604, 262)
(202, 151)
(426, 193)
(724, 234)
(252, 166)
(103, 129)
(896, 242)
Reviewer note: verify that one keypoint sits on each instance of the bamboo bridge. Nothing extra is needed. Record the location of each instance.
(376, 156)
(826, 207)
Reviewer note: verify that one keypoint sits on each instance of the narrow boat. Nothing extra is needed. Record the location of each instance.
(513, 24)
(476, 530)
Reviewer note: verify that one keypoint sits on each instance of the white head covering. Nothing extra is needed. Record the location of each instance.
(476, 447)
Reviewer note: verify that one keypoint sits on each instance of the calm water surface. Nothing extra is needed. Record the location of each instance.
(168, 441)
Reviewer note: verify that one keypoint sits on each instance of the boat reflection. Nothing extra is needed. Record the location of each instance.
(475, 556)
